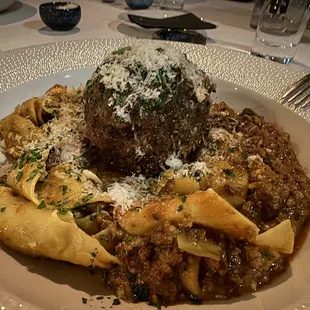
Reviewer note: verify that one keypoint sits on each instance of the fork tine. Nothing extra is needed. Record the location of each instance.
(307, 101)
(299, 91)
(301, 98)
(295, 86)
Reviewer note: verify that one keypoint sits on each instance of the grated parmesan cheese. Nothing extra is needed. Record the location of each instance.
(63, 133)
(173, 162)
(252, 158)
(195, 169)
(136, 70)
(129, 190)
(222, 135)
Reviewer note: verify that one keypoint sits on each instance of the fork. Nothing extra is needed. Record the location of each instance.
(298, 94)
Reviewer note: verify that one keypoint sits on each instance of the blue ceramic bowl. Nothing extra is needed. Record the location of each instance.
(60, 16)
(139, 4)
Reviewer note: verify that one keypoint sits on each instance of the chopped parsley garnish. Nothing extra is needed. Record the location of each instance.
(229, 173)
(84, 300)
(2, 209)
(53, 203)
(104, 237)
(121, 51)
(32, 175)
(19, 176)
(77, 205)
(42, 205)
(93, 254)
(61, 209)
(87, 198)
(155, 217)
(116, 302)
(180, 208)
(34, 155)
(64, 189)
(183, 199)
(55, 113)
(21, 160)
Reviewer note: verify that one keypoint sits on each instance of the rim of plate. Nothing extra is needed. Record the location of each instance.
(30, 63)
(262, 76)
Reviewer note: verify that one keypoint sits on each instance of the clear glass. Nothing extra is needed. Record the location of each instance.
(280, 28)
(176, 5)
(257, 10)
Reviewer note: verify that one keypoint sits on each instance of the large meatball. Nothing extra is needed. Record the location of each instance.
(144, 104)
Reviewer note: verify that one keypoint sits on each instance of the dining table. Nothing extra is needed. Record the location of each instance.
(21, 25)
(33, 57)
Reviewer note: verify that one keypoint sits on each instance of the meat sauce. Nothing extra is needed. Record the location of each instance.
(278, 190)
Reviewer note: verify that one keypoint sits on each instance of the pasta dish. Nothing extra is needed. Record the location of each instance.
(177, 198)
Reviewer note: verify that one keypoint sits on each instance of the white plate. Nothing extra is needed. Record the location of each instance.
(243, 81)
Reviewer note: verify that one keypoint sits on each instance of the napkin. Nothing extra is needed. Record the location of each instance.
(185, 21)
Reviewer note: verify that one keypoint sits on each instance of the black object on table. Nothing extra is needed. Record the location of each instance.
(185, 21)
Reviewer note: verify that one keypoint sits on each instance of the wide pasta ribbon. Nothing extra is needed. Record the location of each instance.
(45, 232)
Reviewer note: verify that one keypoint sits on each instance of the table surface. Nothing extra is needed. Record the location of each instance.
(21, 25)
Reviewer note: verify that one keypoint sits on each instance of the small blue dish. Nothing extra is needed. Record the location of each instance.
(139, 4)
(60, 16)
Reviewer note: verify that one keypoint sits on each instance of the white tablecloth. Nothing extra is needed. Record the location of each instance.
(21, 25)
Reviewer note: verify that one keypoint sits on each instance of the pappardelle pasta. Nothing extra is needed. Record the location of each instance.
(138, 173)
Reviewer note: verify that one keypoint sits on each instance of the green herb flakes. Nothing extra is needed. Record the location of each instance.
(21, 160)
(32, 175)
(77, 205)
(41, 205)
(87, 198)
(180, 208)
(19, 176)
(229, 173)
(62, 210)
(121, 51)
(64, 189)
(2, 209)
(55, 113)
(183, 199)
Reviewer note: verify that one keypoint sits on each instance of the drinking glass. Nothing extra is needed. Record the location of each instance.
(280, 28)
(171, 5)
(257, 10)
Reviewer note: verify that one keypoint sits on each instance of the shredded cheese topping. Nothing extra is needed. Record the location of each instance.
(143, 72)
